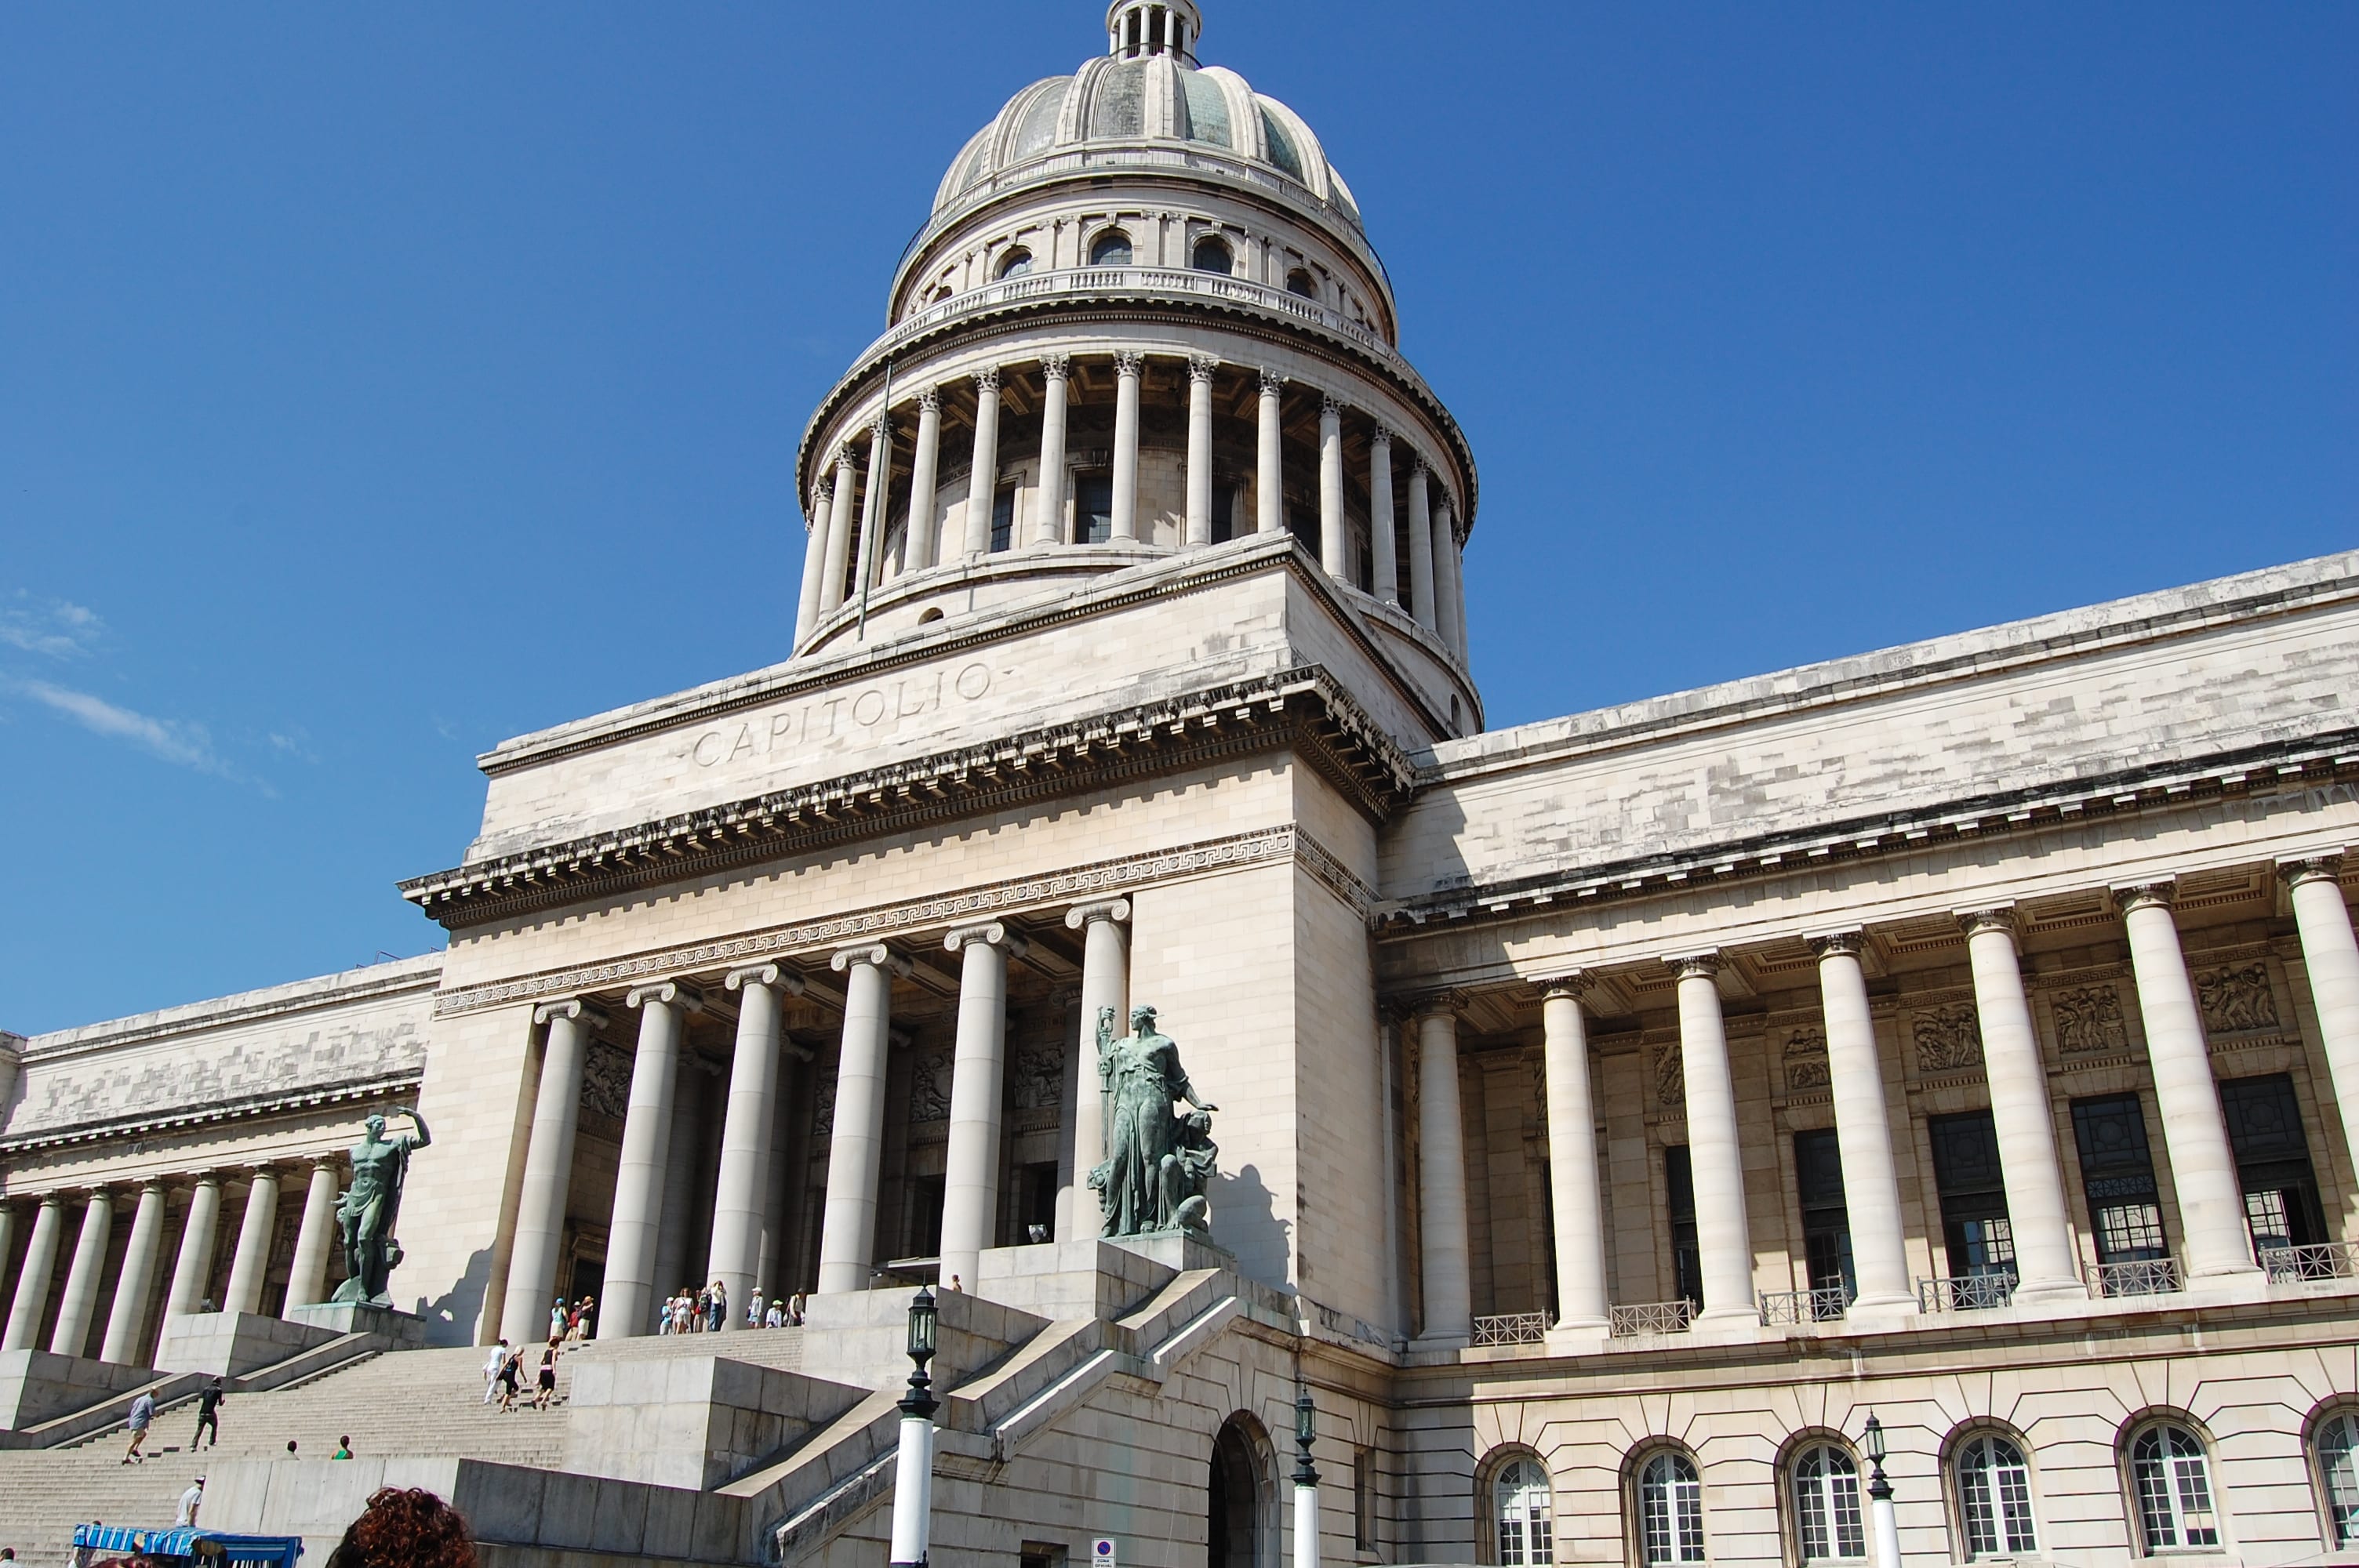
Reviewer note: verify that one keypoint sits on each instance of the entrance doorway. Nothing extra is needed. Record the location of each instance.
(1239, 1532)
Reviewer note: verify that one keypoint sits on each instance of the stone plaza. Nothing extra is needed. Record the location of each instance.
(1611, 1112)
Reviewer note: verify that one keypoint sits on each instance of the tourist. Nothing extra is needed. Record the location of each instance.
(777, 1316)
(412, 1529)
(794, 1310)
(492, 1365)
(957, 1287)
(209, 1404)
(511, 1372)
(754, 1311)
(344, 1449)
(716, 1310)
(291, 1448)
(143, 1412)
(557, 1319)
(582, 1326)
(190, 1501)
(546, 1381)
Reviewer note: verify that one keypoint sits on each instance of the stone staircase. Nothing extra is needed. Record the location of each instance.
(407, 1402)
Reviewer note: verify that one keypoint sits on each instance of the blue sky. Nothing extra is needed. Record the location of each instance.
(377, 383)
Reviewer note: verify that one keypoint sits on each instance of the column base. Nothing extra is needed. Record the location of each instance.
(2049, 1294)
(1880, 1310)
(1722, 1320)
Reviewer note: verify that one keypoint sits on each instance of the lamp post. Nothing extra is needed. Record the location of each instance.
(1306, 1481)
(1879, 1497)
(913, 1474)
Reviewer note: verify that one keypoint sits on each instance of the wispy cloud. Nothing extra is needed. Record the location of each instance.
(53, 628)
(174, 741)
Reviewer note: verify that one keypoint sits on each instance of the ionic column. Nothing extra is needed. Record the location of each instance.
(80, 1302)
(32, 1297)
(1862, 1130)
(971, 1182)
(982, 475)
(2179, 1052)
(306, 1278)
(1106, 983)
(925, 464)
(127, 1322)
(773, 1272)
(1126, 369)
(838, 541)
(814, 563)
(1199, 448)
(848, 1228)
(1449, 594)
(2022, 1115)
(1572, 1158)
(628, 1307)
(1048, 527)
(251, 1263)
(692, 1088)
(1335, 554)
(2332, 955)
(549, 1167)
(193, 1266)
(1380, 515)
(1443, 1265)
(1715, 1164)
(740, 1201)
(872, 505)
(1420, 549)
(8, 1250)
(1269, 492)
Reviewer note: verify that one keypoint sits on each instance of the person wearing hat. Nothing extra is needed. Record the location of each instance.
(190, 1501)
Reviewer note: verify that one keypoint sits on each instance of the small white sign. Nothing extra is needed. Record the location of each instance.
(1102, 1553)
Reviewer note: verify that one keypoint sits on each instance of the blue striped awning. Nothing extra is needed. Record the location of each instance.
(207, 1546)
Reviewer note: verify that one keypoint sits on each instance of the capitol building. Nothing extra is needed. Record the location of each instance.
(1607, 1115)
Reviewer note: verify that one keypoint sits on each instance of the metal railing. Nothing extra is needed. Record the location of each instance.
(2141, 1277)
(1511, 1328)
(2320, 1260)
(1651, 1317)
(1965, 1292)
(1826, 1305)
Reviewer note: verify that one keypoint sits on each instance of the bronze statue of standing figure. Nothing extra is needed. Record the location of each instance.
(1157, 1164)
(366, 1212)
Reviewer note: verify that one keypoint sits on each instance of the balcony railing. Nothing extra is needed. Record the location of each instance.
(2322, 1261)
(1651, 1317)
(2143, 1277)
(1823, 1305)
(1965, 1292)
(1511, 1328)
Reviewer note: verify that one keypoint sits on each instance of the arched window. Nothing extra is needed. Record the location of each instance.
(1670, 1510)
(1994, 1498)
(2336, 1447)
(1827, 1524)
(1211, 255)
(1110, 249)
(2172, 1479)
(1298, 282)
(1016, 263)
(1519, 1502)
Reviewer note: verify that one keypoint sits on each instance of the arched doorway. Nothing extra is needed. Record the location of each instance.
(1239, 1526)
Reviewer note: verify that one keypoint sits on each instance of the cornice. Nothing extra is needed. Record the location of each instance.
(243, 1108)
(272, 1004)
(1302, 707)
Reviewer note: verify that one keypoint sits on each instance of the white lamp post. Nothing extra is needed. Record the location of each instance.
(913, 1475)
(1306, 1482)
(1879, 1497)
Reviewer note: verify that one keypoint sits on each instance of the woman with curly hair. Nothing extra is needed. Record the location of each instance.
(405, 1529)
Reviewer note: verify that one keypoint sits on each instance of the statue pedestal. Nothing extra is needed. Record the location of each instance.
(399, 1330)
(1179, 1250)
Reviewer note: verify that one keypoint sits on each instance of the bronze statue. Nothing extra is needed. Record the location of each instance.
(1157, 1164)
(367, 1213)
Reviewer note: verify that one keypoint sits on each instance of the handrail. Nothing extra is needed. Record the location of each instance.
(2138, 1277)
(1966, 1293)
(2313, 1261)
(1825, 1304)
(1511, 1328)
(1651, 1317)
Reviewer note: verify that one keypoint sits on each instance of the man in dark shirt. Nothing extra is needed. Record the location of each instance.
(209, 1402)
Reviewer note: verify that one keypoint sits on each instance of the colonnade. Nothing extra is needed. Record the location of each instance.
(1431, 587)
(2214, 1245)
(648, 1189)
(89, 1212)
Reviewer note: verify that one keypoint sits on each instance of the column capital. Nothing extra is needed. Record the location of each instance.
(1330, 407)
(1997, 917)
(991, 933)
(586, 1013)
(326, 1158)
(1699, 966)
(847, 456)
(986, 381)
(1848, 944)
(675, 992)
(2144, 896)
(1056, 367)
(1447, 1001)
(1574, 983)
(1202, 366)
(1272, 383)
(1381, 435)
(1081, 915)
(930, 400)
(771, 975)
(880, 429)
(875, 955)
(2326, 866)
(1129, 363)
(1419, 467)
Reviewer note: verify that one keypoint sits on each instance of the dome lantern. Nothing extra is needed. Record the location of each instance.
(1138, 28)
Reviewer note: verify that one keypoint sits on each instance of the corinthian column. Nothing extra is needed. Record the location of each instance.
(1048, 526)
(1715, 1164)
(839, 538)
(2331, 954)
(307, 1279)
(1199, 448)
(982, 475)
(1420, 548)
(2202, 1166)
(1862, 1130)
(1448, 597)
(814, 563)
(1127, 370)
(1269, 482)
(192, 1268)
(250, 1266)
(548, 1169)
(741, 1202)
(31, 1300)
(79, 1304)
(1572, 1159)
(628, 1308)
(126, 1323)
(971, 1184)
(1335, 554)
(919, 540)
(1106, 983)
(872, 505)
(1444, 1267)
(1380, 515)
(848, 1228)
(2021, 1115)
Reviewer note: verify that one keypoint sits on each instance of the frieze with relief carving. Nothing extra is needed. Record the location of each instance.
(1805, 1060)
(929, 1088)
(1668, 1068)
(2238, 999)
(606, 1081)
(1948, 1039)
(1036, 1080)
(2089, 1021)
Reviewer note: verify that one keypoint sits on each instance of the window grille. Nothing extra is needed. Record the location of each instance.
(2338, 1476)
(1827, 1522)
(2173, 1482)
(1521, 1499)
(1670, 1510)
(1994, 1499)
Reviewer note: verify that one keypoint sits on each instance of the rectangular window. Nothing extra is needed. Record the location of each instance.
(1363, 1500)
(925, 1233)
(1037, 1215)
(1975, 1229)
(2281, 1203)
(1687, 1255)
(2117, 1174)
(1224, 513)
(1826, 1223)
(1003, 518)
(1092, 508)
